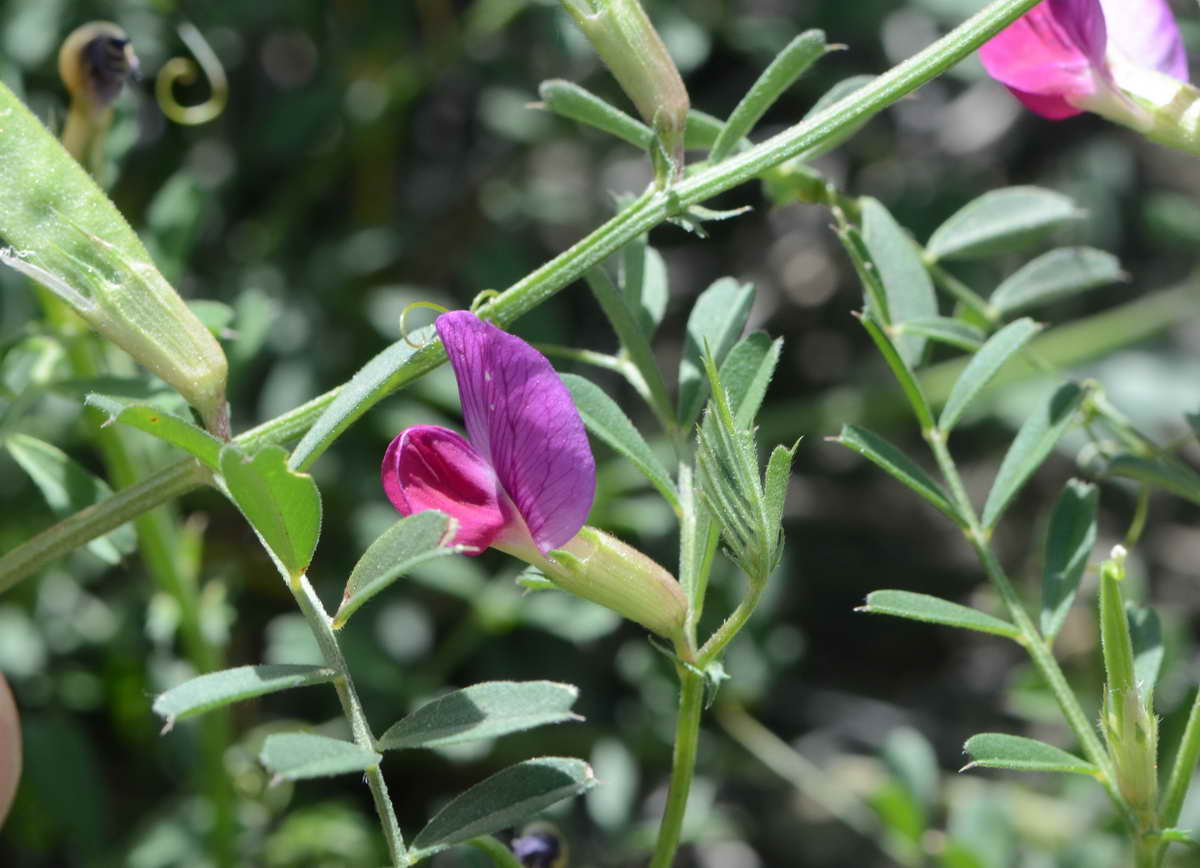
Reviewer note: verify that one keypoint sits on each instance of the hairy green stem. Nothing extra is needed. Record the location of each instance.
(321, 626)
(1031, 639)
(731, 626)
(683, 765)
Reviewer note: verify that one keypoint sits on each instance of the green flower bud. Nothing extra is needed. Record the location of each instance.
(64, 233)
(630, 47)
(601, 568)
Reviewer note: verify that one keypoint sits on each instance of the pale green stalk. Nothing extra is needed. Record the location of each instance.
(683, 765)
(1184, 767)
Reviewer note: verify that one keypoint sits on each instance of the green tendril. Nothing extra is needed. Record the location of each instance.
(404, 332)
(184, 70)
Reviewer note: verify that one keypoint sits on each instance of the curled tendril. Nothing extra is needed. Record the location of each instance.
(482, 299)
(404, 318)
(184, 70)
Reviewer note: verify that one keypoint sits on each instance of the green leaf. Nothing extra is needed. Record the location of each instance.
(503, 800)
(216, 689)
(834, 95)
(634, 340)
(645, 283)
(702, 130)
(1001, 221)
(165, 426)
(1069, 541)
(909, 384)
(746, 373)
(1145, 631)
(1054, 275)
(715, 322)
(293, 756)
(775, 484)
(569, 100)
(68, 488)
(283, 507)
(789, 64)
(1038, 434)
(481, 711)
(410, 542)
(945, 330)
(984, 365)
(995, 750)
(935, 610)
(1180, 836)
(608, 422)
(890, 459)
(874, 298)
(216, 315)
(399, 363)
(906, 282)
(1159, 472)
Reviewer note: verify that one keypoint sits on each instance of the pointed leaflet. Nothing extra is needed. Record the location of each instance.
(1038, 434)
(481, 711)
(715, 322)
(907, 283)
(503, 800)
(569, 100)
(1053, 275)
(283, 507)
(215, 689)
(900, 370)
(789, 64)
(293, 756)
(644, 283)
(946, 330)
(607, 421)
(1069, 541)
(996, 750)
(746, 373)
(1001, 221)
(890, 459)
(68, 488)
(411, 541)
(1145, 631)
(984, 365)
(519, 415)
(165, 426)
(935, 610)
(1160, 472)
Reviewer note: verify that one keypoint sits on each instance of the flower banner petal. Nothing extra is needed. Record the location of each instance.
(1037, 55)
(430, 467)
(520, 417)
(1144, 33)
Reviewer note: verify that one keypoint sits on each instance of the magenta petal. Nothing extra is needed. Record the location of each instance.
(429, 467)
(1038, 55)
(1054, 108)
(520, 416)
(1084, 23)
(1144, 33)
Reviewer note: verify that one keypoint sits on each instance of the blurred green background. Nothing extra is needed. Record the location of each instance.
(377, 153)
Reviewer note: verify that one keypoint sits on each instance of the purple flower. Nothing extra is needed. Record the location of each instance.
(1068, 56)
(524, 477)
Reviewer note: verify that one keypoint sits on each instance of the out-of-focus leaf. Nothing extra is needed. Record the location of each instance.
(1169, 476)
(835, 94)
(411, 541)
(715, 322)
(68, 488)
(1037, 436)
(907, 283)
(1145, 631)
(1001, 221)
(569, 100)
(607, 421)
(1053, 275)
(935, 610)
(645, 283)
(216, 315)
(283, 506)
(293, 756)
(944, 330)
(215, 689)
(901, 370)
(1069, 541)
(984, 365)
(995, 750)
(503, 800)
(890, 459)
(165, 426)
(487, 710)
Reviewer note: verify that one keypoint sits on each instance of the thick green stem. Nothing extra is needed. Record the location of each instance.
(322, 628)
(731, 626)
(683, 766)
